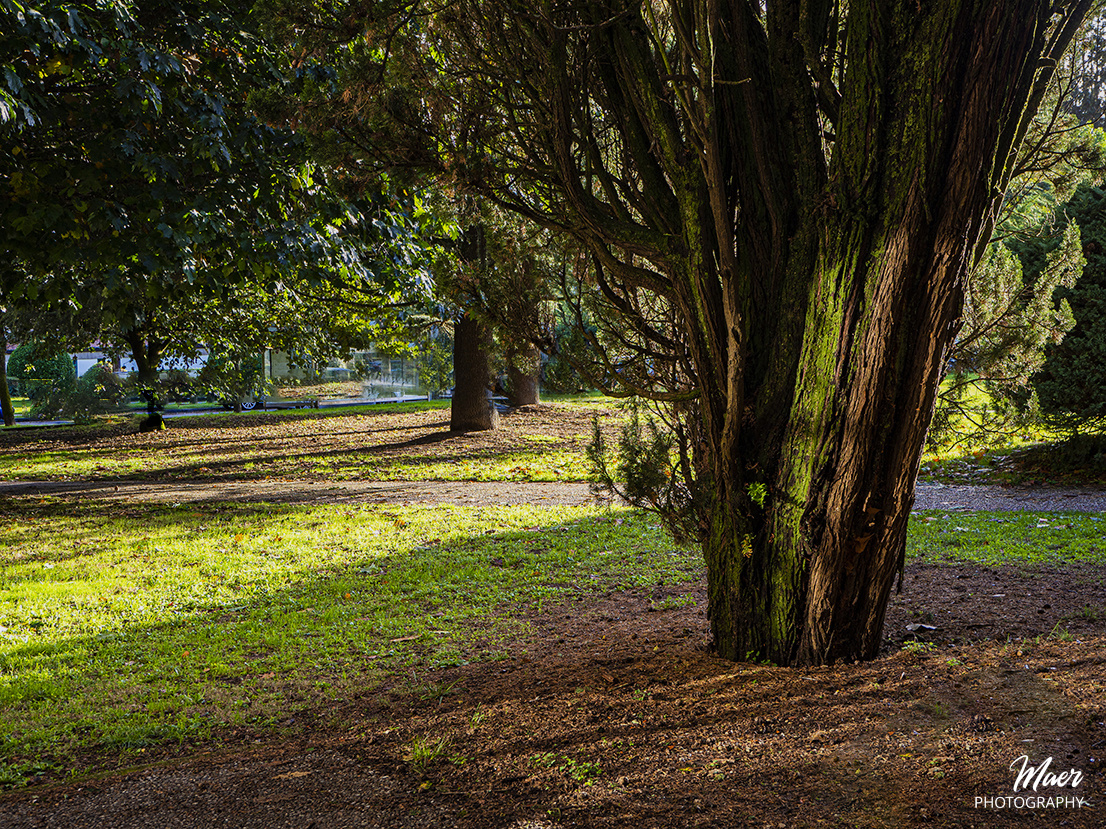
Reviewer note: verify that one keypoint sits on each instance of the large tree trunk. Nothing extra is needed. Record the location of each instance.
(471, 409)
(870, 291)
(523, 376)
(147, 353)
(6, 405)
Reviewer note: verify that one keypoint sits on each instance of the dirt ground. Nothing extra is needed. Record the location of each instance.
(611, 714)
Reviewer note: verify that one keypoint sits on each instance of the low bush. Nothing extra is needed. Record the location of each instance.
(46, 376)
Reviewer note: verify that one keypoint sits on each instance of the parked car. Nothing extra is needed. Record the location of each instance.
(249, 403)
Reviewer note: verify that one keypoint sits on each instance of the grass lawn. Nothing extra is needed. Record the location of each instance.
(122, 626)
(128, 629)
(126, 626)
(21, 406)
(409, 441)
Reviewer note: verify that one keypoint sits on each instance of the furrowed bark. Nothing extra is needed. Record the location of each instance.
(805, 195)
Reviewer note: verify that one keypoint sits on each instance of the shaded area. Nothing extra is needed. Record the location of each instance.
(611, 713)
(304, 492)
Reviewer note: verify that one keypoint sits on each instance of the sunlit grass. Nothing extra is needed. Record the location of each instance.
(358, 443)
(249, 462)
(121, 627)
(125, 626)
(994, 539)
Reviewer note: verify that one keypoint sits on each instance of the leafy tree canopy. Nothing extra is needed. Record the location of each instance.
(143, 202)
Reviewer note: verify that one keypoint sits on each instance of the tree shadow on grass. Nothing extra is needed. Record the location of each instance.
(602, 713)
(248, 655)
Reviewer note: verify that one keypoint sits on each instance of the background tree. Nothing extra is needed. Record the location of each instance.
(1071, 383)
(143, 196)
(1085, 68)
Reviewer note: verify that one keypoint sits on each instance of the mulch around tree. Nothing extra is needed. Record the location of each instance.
(610, 714)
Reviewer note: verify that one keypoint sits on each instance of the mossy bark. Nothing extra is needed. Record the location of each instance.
(779, 203)
(818, 325)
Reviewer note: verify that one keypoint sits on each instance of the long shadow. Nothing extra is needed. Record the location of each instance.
(86, 436)
(210, 469)
(375, 617)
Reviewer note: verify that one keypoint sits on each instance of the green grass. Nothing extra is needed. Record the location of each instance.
(283, 444)
(555, 465)
(126, 626)
(994, 539)
(140, 463)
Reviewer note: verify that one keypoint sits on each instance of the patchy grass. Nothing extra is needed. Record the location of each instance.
(125, 626)
(993, 539)
(408, 441)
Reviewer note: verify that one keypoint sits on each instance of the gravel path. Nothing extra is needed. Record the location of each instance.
(997, 498)
(929, 496)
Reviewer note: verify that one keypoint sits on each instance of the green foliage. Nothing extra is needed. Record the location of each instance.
(176, 386)
(98, 390)
(1080, 457)
(125, 138)
(1071, 385)
(47, 376)
(645, 474)
(1008, 324)
(434, 362)
(232, 376)
(758, 493)
(569, 349)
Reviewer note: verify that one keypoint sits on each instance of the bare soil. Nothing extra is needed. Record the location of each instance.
(610, 714)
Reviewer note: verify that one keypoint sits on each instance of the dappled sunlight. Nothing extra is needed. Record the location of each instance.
(163, 622)
(410, 445)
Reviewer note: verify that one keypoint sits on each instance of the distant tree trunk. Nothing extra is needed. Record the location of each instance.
(471, 410)
(147, 357)
(523, 366)
(6, 405)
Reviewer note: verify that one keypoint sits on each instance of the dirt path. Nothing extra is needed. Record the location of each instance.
(929, 496)
(306, 492)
